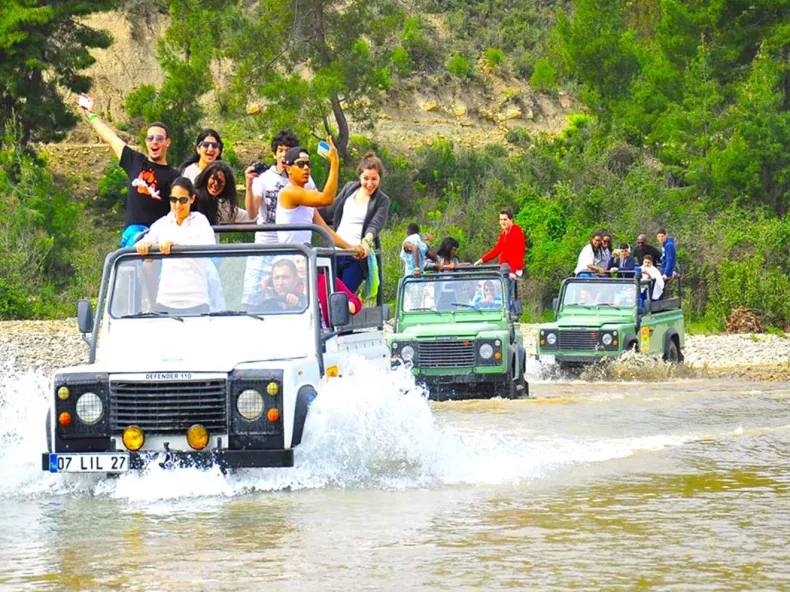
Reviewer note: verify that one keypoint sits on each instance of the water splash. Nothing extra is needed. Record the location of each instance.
(369, 428)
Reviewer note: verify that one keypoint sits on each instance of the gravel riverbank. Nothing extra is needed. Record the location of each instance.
(47, 345)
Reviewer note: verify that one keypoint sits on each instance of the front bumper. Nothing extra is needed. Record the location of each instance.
(464, 386)
(580, 359)
(224, 459)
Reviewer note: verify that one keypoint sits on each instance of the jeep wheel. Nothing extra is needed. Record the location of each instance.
(672, 354)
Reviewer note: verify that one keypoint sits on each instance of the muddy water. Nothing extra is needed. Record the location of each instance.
(665, 485)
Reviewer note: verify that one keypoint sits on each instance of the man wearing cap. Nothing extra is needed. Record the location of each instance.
(297, 204)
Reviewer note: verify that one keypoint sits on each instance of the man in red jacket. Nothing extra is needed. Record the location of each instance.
(511, 247)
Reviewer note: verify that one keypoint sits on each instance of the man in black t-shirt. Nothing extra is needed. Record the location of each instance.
(150, 177)
(644, 248)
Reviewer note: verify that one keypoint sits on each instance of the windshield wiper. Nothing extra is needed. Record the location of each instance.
(153, 313)
(470, 306)
(423, 309)
(230, 313)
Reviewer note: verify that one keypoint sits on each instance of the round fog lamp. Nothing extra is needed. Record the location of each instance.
(89, 408)
(63, 393)
(133, 438)
(407, 353)
(272, 388)
(250, 404)
(551, 338)
(486, 351)
(197, 437)
(607, 339)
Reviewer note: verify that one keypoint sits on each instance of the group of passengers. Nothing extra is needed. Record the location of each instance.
(168, 206)
(597, 259)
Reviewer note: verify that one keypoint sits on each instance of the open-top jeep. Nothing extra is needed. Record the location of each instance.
(598, 317)
(226, 383)
(460, 334)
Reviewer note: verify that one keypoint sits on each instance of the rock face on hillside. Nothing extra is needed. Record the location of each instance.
(425, 108)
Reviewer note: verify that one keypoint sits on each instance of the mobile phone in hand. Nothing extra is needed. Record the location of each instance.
(323, 149)
(85, 102)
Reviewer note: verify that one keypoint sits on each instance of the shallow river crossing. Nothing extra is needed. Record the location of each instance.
(659, 485)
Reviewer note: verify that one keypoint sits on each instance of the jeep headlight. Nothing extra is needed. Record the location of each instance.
(486, 351)
(551, 338)
(89, 408)
(607, 339)
(250, 404)
(407, 353)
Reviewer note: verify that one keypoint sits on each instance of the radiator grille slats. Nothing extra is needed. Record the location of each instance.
(580, 340)
(446, 354)
(169, 406)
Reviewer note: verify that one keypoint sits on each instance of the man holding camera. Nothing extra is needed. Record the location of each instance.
(263, 185)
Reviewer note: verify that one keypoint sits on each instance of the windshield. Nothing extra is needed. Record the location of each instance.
(261, 285)
(599, 294)
(448, 295)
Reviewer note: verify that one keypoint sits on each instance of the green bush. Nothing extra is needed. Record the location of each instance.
(460, 66)
(544, 76)
(401, 60)
(113, 185)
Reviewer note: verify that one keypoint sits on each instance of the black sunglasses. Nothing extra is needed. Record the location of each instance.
(302, 164)
(157, 137)
(181, 200)
(209, 144)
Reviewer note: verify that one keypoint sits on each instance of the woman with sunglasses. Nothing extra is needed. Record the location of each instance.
(208, 149)
(358, 214)
(183, 284)
(215, 189)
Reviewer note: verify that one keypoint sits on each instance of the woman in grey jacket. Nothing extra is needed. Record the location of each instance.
(358, 214)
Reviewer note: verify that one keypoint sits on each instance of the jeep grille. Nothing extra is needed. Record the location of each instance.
(169, 406)
(446, 354)
(580, 340)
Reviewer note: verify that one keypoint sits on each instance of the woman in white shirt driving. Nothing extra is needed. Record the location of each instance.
(183, 285)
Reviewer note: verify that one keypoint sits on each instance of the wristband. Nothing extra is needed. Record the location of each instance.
(92, 116)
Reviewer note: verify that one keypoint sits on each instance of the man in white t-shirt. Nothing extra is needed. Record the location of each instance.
(263, 190)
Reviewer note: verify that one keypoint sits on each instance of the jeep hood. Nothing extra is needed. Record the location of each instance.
(200, 345)
(450, 330)
(593, 321)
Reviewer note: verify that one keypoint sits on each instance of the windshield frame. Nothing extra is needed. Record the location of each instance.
(453, 277)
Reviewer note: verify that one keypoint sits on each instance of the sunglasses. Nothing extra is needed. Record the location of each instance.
(157, 137)
(302, 164)
(209, 144)
(181, 200)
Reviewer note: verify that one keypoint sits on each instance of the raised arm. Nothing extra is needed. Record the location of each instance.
(251, 201)
(104, 131)
(293, 195)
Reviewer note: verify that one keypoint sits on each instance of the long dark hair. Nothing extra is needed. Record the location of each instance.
(195, 157)
(447, 245)
(207, 204)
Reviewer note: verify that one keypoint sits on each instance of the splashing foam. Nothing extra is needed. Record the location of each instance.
(370, 428)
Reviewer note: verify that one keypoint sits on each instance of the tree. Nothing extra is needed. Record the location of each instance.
(314, 60)
(44, 47)
(185, 54)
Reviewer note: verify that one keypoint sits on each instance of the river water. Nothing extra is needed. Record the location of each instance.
(592, 485)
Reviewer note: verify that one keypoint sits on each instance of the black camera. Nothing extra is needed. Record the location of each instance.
(260, 166)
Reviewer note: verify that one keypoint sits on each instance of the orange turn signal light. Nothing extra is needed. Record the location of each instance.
(197, 437)
(273, 415)
(133, 438)
(332, 371)
(498, 355)
(64, 418)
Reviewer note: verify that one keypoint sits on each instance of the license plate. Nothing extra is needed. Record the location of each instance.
(96, 462)
(546, 359)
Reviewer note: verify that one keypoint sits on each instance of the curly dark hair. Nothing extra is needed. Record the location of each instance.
(284, 137)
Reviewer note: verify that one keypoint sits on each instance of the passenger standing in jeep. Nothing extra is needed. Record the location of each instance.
(150, 177)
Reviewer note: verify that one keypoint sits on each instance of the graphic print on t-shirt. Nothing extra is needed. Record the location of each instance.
(146, 184)
(270, 201)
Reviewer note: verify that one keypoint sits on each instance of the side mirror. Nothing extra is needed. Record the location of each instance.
(338, 309)
(386, 312)
(85, 315)
(518, 308)
(556, 305)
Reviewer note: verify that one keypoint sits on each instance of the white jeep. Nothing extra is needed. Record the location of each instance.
(226, 382)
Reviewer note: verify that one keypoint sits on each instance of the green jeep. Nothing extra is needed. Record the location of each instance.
(459, 335)
(597, 318)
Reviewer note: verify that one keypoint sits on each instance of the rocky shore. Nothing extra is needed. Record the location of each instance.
(47, 345)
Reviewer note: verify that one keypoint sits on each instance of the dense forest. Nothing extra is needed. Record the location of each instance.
(684, 123)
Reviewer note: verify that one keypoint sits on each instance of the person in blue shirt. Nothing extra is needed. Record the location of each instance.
(669, 255)
(622, 264)
(489, 298)
(413, 251)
